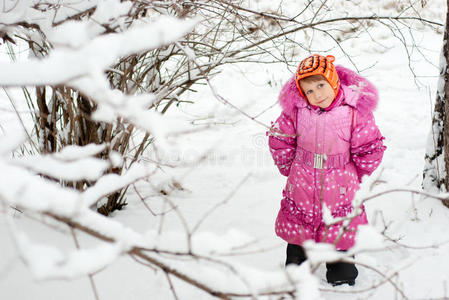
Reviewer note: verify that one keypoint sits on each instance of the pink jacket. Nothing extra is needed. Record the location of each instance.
(324, 153)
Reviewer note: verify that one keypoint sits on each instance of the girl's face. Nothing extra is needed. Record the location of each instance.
(318, 93)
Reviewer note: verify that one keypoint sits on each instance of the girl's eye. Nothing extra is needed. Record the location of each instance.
(309, 92)
(320, 85)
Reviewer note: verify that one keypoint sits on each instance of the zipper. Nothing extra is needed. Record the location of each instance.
(320, 132)
(314, 169)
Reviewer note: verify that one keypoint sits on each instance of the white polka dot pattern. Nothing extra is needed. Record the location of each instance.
(355, 150)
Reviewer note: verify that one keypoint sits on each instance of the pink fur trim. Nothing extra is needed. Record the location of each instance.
(359, 92)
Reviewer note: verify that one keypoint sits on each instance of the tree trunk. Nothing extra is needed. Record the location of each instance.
(437, 152)
(445, 75)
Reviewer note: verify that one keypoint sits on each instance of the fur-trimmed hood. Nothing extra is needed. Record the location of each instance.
(358, 92)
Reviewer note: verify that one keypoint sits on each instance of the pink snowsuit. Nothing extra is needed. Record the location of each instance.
(324, 153)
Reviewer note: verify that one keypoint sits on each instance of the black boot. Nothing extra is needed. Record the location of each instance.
(295, 254)
(340, 273)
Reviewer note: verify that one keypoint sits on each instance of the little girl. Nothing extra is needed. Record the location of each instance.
(324, 141)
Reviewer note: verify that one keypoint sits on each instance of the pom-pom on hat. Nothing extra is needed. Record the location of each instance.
(318, 65)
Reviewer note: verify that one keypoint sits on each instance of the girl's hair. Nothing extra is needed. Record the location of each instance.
(310, 79)
(313, 78)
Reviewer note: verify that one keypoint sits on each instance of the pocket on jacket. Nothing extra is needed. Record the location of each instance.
(344, 130)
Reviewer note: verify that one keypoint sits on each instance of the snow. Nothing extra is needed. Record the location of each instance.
(368, 238)
(87, 168)
(9, 142)
(74, 152)
(318, 253)
(110, 10)
(29, 191)
(221, 149)
(79, 34)
(49, 263)
(224, 243)
(64, 65)
(112, 182)
(307, 284)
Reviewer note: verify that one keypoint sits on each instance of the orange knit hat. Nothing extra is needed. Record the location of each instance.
(318, 65)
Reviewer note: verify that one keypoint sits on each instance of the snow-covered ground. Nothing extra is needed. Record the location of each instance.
(237, 152)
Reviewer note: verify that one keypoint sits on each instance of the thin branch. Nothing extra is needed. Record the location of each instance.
(172, 288)
(91, 279)
(335, 20)
(225, 201)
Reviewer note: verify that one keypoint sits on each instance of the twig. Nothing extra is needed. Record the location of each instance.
(172, 288)
(91, 279)
(335, 20)
(142, 263)
(225, 201)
